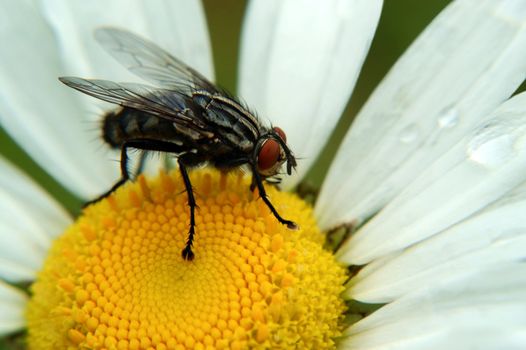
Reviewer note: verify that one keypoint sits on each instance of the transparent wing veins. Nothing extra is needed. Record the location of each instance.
(150, 62)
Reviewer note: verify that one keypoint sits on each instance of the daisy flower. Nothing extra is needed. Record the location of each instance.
(428, 184)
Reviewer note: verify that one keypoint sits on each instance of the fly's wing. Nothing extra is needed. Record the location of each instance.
(150, 62)
(164, 103)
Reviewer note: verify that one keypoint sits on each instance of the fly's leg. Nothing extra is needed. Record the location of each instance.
(125, 175)
(142, 162)
(187, 251)
(141, 144)
(263, 194)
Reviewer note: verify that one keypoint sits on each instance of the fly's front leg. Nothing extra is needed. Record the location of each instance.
(187, 252)
(263, 194)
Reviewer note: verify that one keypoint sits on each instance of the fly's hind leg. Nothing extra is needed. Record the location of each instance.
(141, 144)
(125, 175)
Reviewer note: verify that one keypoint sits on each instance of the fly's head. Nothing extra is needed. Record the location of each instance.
(271, 152)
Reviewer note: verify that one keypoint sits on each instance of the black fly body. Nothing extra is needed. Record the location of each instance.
(187, 116)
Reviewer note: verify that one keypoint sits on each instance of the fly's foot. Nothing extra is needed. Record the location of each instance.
(291, 225)
(187, 253)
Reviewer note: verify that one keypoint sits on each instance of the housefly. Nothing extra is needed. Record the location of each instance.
(185, 115)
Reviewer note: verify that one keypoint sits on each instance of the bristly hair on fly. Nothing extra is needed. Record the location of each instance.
(184, 115)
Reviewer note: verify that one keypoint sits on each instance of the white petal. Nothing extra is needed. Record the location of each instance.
(470, 59)
(485, 309)
(12, 306)
(299, 63)
(495, 236)
(25, 271)
(477, 171)
(29, 220)
(39, 112)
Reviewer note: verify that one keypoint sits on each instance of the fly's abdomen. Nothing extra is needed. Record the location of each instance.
(112, 132)
(126, 124)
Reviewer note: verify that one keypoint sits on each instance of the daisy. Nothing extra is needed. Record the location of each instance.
(429, 179)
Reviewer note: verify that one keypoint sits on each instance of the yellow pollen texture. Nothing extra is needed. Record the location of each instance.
(116, 279)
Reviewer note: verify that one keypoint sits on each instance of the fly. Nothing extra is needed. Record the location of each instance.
(186, 115)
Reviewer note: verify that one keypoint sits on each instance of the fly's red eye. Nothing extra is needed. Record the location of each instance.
(281, 133)
(268, 154)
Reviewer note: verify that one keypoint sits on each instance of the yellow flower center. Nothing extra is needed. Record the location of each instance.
(116, 279)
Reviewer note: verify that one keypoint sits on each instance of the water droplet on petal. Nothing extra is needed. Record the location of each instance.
(409, 133)
(491, 150)
(448, 118)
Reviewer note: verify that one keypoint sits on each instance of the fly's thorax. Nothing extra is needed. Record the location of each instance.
(234, 123)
